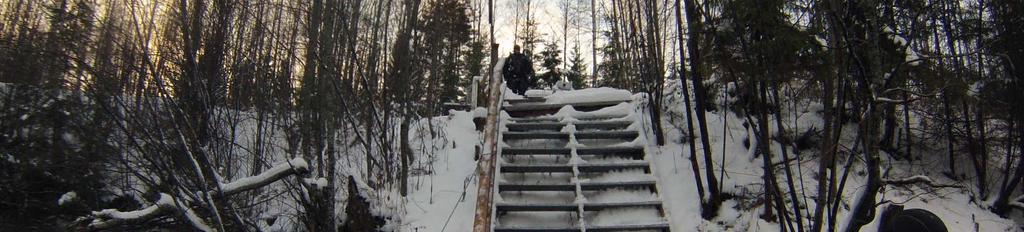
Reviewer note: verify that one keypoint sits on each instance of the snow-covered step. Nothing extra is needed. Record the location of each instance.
(535, 151)
(537, 229)
(588, 186)
(536, 135)
(579, 119)
(534, 120)
(625, 152)
(555, 106)
(628, 135)
(572, 207)
(523, 168)
(532, 126)
(657, 226)
(536, 109)
(542, 161)
(584, 125)
(602, 125)
(526, 100)
(639, 227)
(621, 151)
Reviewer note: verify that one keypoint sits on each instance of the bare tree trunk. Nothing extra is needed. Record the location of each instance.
(795, 201)
(826, 163)
(1001, 206)
(593, 43)
(695, 29)
(689, 111)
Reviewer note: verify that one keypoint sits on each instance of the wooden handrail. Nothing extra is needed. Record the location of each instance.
(488, 158)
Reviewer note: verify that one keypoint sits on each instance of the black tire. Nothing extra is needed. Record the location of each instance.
(914, 220)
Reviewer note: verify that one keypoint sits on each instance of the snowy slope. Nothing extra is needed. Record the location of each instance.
(742, 177)
(445, 200)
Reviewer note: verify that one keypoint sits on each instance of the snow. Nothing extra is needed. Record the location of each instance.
(588, 95)
(274, 173)
(445, 200)
(742, 176)
(538, 93)
(67, 197)
(106, 216)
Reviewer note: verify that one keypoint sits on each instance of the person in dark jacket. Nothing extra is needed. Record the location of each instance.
(518, 71)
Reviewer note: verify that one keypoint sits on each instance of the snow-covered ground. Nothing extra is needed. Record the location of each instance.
(444, 201)
(742, 177)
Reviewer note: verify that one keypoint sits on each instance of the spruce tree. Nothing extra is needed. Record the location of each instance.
(550, 61)
(445, 29)
(577, 72)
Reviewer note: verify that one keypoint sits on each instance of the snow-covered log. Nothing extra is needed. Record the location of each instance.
(281, 170)
(110, 218)
(919, 179)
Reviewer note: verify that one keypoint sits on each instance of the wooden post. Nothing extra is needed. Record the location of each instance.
(473, 95)
(485, 189)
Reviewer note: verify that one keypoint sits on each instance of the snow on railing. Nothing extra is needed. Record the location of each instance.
(110, 218)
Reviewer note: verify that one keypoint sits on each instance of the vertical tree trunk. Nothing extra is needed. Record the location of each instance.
(1001, 206)
(948, 121)
(795, 201)
(593, 43)
(826, 163)
(689, 111)
(869, 53)
(695, 29)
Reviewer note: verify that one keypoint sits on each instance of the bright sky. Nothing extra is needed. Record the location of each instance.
(550, 19)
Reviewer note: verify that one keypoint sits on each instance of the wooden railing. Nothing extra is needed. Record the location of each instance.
(486, 166)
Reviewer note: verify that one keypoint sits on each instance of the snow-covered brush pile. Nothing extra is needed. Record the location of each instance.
(167, 204)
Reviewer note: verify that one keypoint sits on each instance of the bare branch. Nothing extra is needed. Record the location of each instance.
(110, 218)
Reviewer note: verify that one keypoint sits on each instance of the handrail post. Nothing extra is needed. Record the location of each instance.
(488, 158)
(473, 93)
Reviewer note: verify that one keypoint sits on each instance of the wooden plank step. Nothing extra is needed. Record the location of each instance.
(527, 126)
(545, 119)
(535, 135)
(638, 227)
(613, 205)
(546, 106)
(572, 187)
(526, 100)
(584, 125)
(535, 207)
(610, 151)
(629, 152)
(650, 184)
(536, 229)
(534, 151)
(602, 125)
(527, 168)
(571, 207)
(628, 135)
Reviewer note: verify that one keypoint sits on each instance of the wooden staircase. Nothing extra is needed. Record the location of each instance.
(571, 174)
